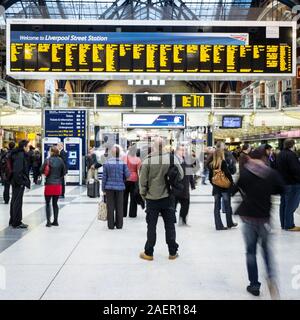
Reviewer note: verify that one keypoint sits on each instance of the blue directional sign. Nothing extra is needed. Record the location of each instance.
(66, 123)
(143, 120)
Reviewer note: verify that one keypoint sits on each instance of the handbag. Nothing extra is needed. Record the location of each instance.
(102, 210)
(47, 169)
(220, 180)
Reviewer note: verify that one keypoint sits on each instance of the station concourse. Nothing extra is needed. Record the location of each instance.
(90, 91)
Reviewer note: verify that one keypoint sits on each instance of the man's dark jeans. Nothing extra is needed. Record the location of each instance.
(166, 207)
(254, 231)
(288, 205)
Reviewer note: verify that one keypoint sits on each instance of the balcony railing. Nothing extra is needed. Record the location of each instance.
(20, 98)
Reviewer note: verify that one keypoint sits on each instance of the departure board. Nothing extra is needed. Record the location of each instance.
(231, 49)
(160, 101)
(193, 101)
(114, 101)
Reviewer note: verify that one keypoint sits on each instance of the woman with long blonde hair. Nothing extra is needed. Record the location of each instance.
(218, 164)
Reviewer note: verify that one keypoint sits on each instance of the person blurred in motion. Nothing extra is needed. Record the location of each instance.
(188, 181)
(244, 155)
(92, 165)
(288, 166)
(236, 153)
(36, 165)
(257, 183)
(218, 163)
(63, 155)
(53, 184)
(155, 190)
(5, 174)
(115, 173)
(134, 164)
(270, 155)
(20, 180)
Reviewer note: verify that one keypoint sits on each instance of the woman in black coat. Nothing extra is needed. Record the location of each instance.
(218, 162)
(53, 185)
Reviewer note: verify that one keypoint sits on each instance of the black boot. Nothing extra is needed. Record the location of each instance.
(55, 214)
(48, 215)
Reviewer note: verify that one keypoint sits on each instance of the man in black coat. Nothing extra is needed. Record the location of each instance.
(64, 156)
(257, 183)
(184, 197)
(20, 180)
(288, 166)
(6, 183)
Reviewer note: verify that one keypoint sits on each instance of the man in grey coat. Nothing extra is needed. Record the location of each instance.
(154, 189)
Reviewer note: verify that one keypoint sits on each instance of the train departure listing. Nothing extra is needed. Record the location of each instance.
(179, 58)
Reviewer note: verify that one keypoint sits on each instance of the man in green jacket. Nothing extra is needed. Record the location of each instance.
(154, 189)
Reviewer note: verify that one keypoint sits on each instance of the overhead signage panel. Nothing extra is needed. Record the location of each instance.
(163, 121)
(49, 48)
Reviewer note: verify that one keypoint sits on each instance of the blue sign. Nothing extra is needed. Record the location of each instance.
(129, 38)
(66, 123)
(143, 120)
(232, 122)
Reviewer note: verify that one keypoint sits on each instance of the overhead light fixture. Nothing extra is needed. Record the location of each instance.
(138, 82)
(162, 82)
(154, 82)
(130, 82)
(146, 82)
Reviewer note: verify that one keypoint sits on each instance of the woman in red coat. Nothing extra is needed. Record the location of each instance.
(54, 169)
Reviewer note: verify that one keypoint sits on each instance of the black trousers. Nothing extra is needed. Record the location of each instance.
(6, 185)
(129, 190)
(36, 174)
(184, 208)
(54, 206)
(166, 207)
(114, 202)
(16, 205)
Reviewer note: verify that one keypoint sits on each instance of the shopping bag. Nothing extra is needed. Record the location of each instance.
(102, 210)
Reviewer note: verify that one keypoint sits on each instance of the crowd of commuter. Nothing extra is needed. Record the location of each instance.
(161, 181)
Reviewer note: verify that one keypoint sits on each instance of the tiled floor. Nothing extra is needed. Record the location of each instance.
(82, 259)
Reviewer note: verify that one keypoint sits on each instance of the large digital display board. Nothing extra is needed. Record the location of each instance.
(114, 50)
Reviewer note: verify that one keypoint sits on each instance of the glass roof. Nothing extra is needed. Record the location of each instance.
(131, 9)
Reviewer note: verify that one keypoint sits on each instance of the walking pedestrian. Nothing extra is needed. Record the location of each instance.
(258, 182)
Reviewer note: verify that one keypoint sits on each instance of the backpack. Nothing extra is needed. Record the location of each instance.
(173, 181)
(6, 167)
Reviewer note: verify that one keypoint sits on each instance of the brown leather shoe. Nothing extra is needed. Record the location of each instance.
(294, 229)
(144, 256)
(173, 257)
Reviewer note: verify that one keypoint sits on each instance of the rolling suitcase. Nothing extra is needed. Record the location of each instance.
(93, 189)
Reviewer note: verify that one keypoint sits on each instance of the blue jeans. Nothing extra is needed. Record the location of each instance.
(225, 196)
(254, 231)
(289, 203)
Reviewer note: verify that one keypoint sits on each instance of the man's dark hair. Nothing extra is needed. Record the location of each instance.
(258, 153)
(23, 143)
(245, 146)
(268, 146)
(288, 143)
(11, 145)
